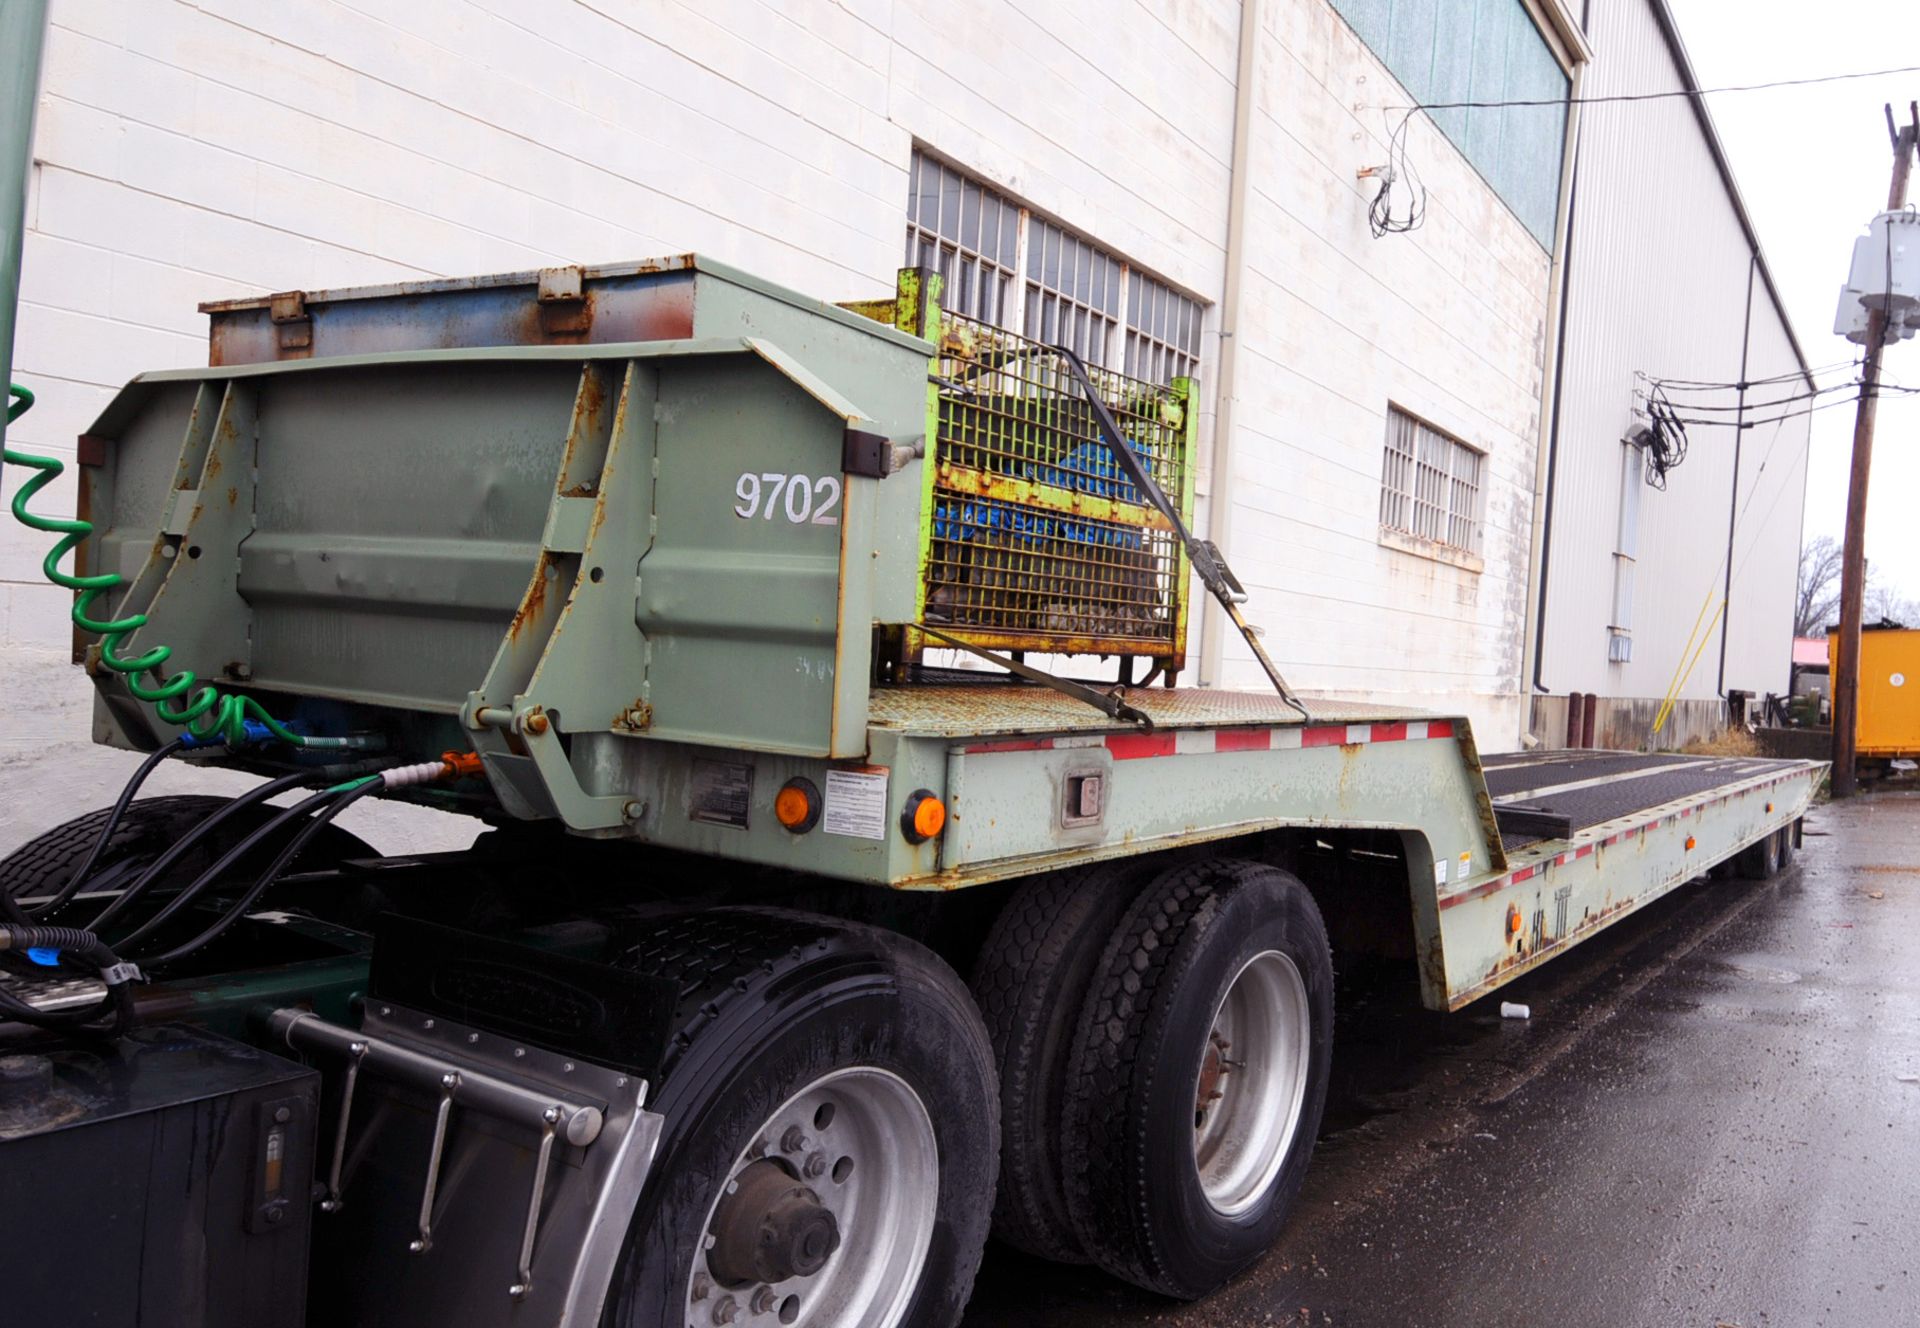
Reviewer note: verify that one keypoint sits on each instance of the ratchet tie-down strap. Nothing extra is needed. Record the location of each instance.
(1206, 558)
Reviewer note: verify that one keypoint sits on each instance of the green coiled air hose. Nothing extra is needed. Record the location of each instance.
(207, 712)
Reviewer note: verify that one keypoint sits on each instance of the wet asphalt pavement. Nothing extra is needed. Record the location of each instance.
(1712, 1119)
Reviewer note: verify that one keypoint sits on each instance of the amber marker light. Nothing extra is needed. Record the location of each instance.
(925, 816)
(797, 805)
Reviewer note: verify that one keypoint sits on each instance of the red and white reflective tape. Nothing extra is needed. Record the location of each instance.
(1197, 742)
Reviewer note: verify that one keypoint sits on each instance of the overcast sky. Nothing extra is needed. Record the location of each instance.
(1813, 164)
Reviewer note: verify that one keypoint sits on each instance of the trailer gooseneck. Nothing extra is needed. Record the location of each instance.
(797, 955)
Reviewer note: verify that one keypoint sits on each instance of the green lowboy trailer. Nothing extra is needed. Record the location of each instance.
(805, 946)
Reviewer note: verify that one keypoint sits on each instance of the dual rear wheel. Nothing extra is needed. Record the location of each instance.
(1768, 857)
(1143, 1062)
(1161, 1100)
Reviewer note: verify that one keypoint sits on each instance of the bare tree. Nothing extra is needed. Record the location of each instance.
(1818, 603)
(1816, 607)
(1882, 604)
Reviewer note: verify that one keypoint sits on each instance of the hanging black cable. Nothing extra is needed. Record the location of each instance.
(1399, 167)
(222, 864)
(240, 907)
(78, 879)
(159, 866)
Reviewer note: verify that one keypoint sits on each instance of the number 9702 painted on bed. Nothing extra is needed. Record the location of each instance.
(801, 499)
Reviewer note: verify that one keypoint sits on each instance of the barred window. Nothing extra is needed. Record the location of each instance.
(967, 233)
(1163, 331)
(1073, 292)
(1003, 264)
(1430, 484)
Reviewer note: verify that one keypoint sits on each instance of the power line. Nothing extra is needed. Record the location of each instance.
(1884, 390)
(1657, 96)
(1709, 384)
(1380, 215)
(1763, 405)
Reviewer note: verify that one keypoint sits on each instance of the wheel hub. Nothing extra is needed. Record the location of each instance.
(1214, 1066)
(1250, 1083)
(770, 1228)
(826, 1215)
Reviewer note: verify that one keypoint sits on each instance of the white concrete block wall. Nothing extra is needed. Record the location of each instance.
(205, 149)
(1445, 322)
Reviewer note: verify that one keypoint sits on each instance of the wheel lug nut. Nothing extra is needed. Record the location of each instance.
(765, 1300)
(815, 1167)
(794, 1140)
(702, 1284)
(726, 1310)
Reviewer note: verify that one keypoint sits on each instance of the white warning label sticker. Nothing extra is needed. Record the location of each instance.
(857, 803)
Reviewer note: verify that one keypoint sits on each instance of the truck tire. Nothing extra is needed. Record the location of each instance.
(1030, 981)
(1786, 836)
(1181, 1160)
(831, 1130)
(1760, 861)
(45, 863)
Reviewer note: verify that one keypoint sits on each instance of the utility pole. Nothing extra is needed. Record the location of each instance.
(1853, 567)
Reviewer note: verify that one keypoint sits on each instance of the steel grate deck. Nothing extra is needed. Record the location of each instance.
(1593, 787)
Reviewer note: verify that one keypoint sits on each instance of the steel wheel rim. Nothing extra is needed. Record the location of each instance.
(865, 1147)
(1251, 1082)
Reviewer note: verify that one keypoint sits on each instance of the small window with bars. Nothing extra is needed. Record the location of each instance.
(967, 233)
(1003, 264)
(1163, 331)
(1430, 484)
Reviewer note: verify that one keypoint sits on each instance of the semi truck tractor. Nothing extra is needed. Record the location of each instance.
(858, 879)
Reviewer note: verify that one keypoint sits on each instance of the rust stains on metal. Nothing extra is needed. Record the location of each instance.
(1521, 958)
(1030, 493)
(593, 393)
(233, 495)
(636, 718)
(534, 602)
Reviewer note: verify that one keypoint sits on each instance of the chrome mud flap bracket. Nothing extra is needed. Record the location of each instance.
(479, 1180)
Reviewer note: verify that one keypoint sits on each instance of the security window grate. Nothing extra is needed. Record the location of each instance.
(1073, 292)
(1004, 265)
(967, 233)
(1430, 484)
(1163, 331)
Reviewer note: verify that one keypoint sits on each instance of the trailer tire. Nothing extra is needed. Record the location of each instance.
(1786, 846)
(1154, 1197)
(46, 862)
(1030, 981)
(1762, 860)
(775, 1006)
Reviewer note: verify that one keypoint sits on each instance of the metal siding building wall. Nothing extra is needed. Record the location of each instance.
(1658, 285)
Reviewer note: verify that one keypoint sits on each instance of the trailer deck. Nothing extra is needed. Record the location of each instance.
(1630, 828)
